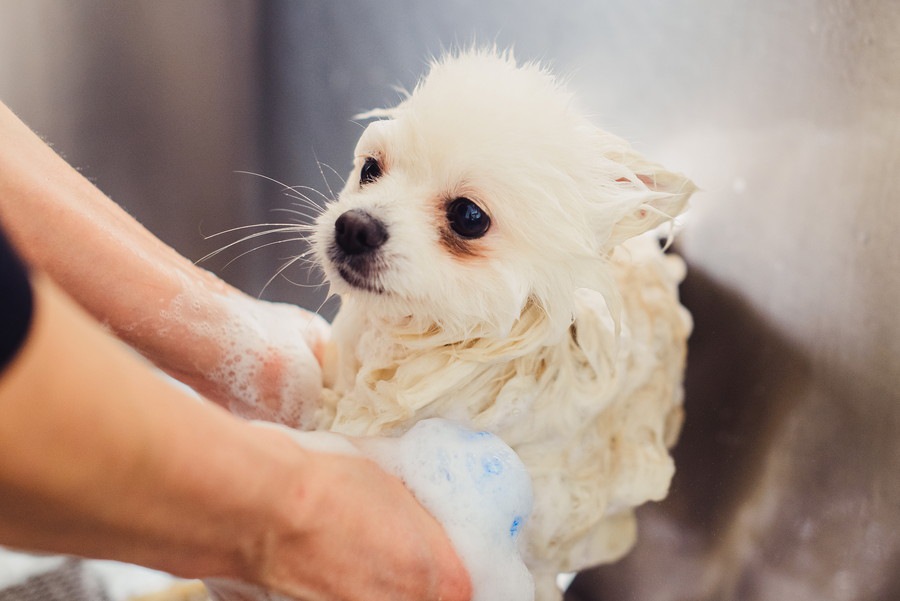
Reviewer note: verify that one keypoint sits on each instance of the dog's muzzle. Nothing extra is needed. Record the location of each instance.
(357, 238)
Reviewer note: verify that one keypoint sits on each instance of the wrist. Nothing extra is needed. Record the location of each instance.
(252, 500)
(284, 508)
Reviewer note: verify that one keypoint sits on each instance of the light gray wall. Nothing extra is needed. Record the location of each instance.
(787, 114)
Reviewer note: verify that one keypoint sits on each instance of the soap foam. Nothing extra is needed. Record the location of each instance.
(262, 361)
(480, 492)
(471, 482)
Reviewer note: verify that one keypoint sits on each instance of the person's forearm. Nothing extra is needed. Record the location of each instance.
(62, 223)
(101, 457)
(183, 318)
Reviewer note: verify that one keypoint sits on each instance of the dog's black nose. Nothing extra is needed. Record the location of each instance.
(356, 232)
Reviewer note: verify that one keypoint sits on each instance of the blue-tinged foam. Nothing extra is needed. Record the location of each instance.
(478, 489)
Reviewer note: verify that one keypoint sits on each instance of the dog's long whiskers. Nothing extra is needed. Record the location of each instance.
(246, 227)
(295, 189)
(305, 197)
(278, 273)
(307, 204)
(261, 246)
(304, 261)
(317, 210)
(324, 197)
(306, 210)
(278, 230)
(302, 284)
(306, 253)
(325, 179)
(333, 170)
(297, 211)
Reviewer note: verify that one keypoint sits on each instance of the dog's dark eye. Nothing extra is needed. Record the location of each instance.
(467, 219)
(371, 171)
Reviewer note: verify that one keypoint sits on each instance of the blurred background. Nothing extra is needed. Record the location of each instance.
(786, 114)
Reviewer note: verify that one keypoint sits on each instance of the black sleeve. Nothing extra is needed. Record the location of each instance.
(16, 303)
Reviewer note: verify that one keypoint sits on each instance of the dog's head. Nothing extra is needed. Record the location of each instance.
(484, 192)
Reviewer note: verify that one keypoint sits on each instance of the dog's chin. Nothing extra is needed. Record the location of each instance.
(352, 273)
(352, 281)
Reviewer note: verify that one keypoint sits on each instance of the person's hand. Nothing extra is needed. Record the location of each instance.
(197, 492)
(360, 536)
(259, 359)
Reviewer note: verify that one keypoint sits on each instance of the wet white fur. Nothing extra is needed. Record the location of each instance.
(554, 336)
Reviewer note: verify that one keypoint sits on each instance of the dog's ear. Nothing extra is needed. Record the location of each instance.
(656, 195)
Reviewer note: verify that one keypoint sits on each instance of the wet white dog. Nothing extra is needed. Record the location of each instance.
(487, 251)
